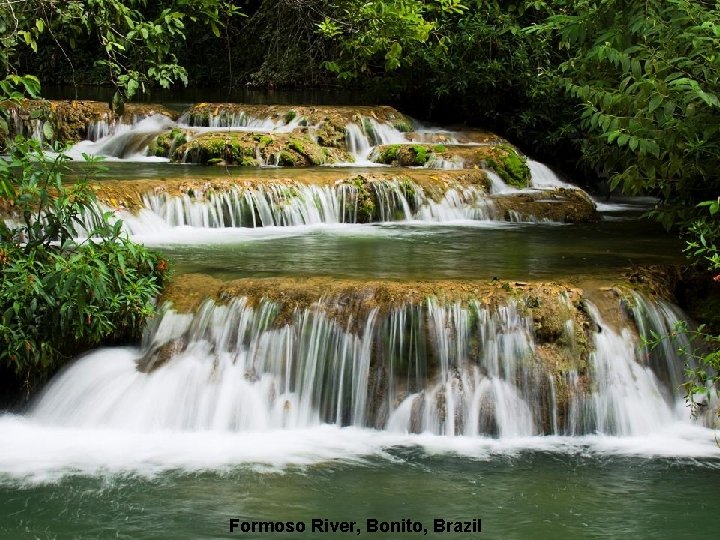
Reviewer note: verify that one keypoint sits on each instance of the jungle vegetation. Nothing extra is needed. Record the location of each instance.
(618, 93)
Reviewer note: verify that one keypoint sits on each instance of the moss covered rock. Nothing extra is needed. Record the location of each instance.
(253, 149)
(504, 158)
(164, 145)
(408, 155)
(560, 205)
(68, 121)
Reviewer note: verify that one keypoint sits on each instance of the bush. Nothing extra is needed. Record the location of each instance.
(60, 295)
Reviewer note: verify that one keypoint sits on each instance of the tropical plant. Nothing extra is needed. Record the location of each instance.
(137, 39)
(59, 294)
(647, 78)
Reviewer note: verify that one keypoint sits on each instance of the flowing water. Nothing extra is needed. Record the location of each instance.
(369, 405)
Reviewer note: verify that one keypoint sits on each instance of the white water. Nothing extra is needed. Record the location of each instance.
(364, 137)
(125, 142)
(543, 177)
(246, 391)
(237, 121)
(233, 370)
(281, 205)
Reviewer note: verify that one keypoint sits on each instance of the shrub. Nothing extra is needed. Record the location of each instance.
(61, 294)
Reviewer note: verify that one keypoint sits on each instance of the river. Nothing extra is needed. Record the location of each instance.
(449, 360)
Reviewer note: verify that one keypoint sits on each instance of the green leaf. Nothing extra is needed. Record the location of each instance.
(655, 102)
(47, 130)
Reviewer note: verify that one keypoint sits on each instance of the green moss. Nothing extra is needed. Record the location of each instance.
(389, 154)
(297, 145)
(264, 140)
(367, 126)
(422, 154)
(367, 207)
(290, 116)
(439, 149)
(409, 190)
(403, 125)
(249, 162)
(286, 159)
(510, 166)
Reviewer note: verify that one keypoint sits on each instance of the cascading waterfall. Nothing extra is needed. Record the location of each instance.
(238, 121)
(369, 133)
(26, 127)
(277, 205)
(443, 368)
(124, 140)
(543, 176)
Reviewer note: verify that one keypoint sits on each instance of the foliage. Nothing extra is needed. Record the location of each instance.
(704, 235)
(647, 78)
(646, 75)
(384, 34)
(60, 295)
(138, 39)
(464, 61)
(510, 165)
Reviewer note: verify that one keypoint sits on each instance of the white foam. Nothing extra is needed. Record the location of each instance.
(36, 453)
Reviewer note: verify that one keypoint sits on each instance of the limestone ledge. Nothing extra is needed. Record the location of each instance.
(201, 113)
(501, 157)
(247, 149)
(559, 205)
(547, 305)
(559, 348)
(70, 119)
(127, 194)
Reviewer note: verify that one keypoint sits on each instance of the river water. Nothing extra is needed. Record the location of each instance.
(259, 421)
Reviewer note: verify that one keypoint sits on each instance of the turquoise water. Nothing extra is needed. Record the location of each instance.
(400, 251)
(526, 495)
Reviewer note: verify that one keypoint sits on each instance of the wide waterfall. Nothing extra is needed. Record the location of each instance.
(450, 369)
(276, 205)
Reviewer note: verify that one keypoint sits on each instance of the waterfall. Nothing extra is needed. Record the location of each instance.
(123, 141)
(357, 143)
(543, 177)
(280, 205)
(447, 369)
(369, 133)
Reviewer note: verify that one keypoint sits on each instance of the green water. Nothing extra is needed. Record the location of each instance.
(529, 495)
(513, 251)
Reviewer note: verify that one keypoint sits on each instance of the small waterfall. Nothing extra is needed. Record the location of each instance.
(274, 205)
(281, 205)
(237, 121)
(543, 177)
(26, 127)
(358, 144)
(124, 140)
(497, 184)
(436, 162)
(363, 138)
(443, 368)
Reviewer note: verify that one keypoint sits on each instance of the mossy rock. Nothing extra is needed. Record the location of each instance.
(331, 133)
(560, 205)
(244, 148)
(407, 155)
(403, 125)
(68, 120)
(510, 165)
(164, 144)
(368, 210)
